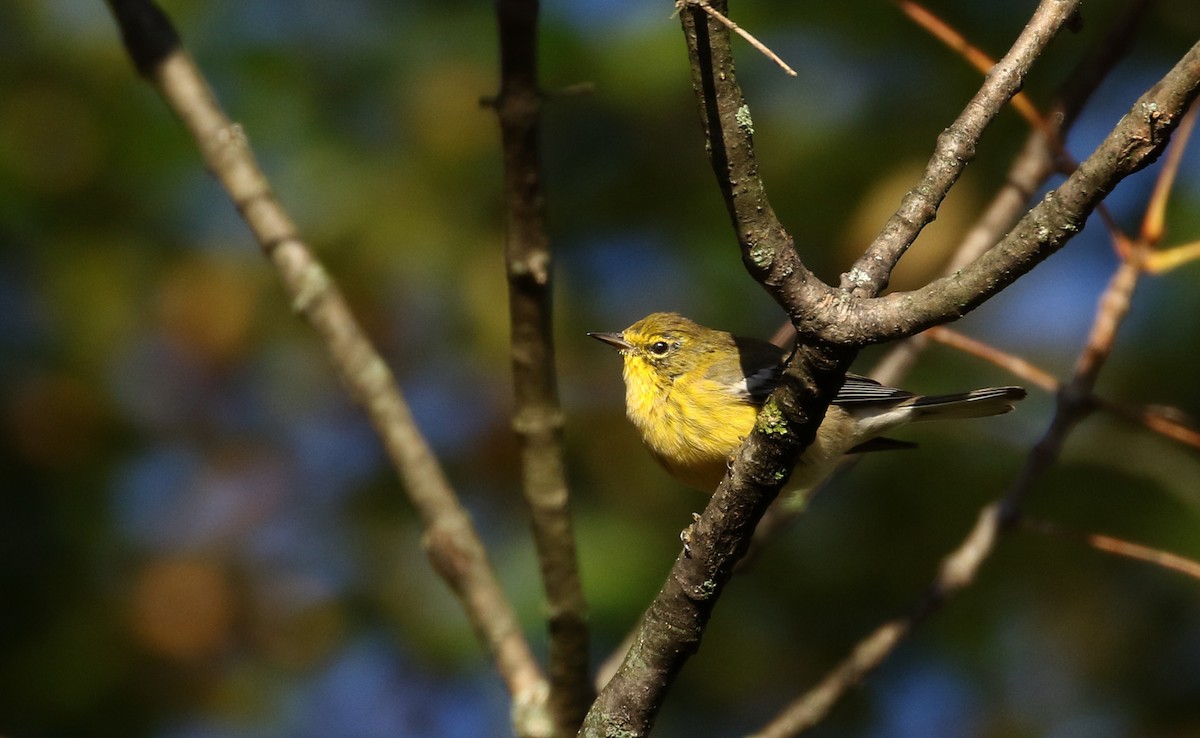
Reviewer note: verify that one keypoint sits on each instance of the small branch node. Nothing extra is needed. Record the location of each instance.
(313, 283)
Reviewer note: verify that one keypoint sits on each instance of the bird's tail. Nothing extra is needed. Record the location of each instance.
(974, 404)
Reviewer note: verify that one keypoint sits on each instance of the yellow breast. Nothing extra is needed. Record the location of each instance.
(691, 425)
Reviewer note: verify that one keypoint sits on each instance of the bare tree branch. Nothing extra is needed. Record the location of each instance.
(1166, 421)
(955, 148)
(672, 627)
(957, 571)
(1024, 370)
(767, 249)
(1031, 167)
(1136, 141)
(538, 417)
(450, 540)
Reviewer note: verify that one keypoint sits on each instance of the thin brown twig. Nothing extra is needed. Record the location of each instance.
(538, 415)
(1123, 245)
(718, 15)
(1015, 365)
(450, 540)
(1117, 546)
(976, 57)
(1154, 221)
(1153, 225)
(1167, 422)
(1165, 260)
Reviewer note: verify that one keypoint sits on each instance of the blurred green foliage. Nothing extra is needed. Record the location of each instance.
(199, 535)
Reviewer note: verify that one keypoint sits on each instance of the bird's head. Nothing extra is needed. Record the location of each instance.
(665, 345)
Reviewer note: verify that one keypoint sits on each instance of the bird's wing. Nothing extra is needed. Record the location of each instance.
(759, 383)
(760, 365)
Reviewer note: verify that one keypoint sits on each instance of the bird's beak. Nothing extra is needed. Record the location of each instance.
(615, 340)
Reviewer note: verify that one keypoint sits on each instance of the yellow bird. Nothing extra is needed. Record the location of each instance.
(694, 393)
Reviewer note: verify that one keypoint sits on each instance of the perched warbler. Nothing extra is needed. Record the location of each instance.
(694, 394)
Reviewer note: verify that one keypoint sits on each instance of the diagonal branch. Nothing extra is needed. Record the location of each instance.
(822, 312)
(1031, 167)
(825, 313)
(955, 148)
(750, 39)
(450, 540)
(1166, 421)
(1134, 143)
(956, 572)
(538, 417)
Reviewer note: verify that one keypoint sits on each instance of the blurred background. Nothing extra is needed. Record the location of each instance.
(200, 537)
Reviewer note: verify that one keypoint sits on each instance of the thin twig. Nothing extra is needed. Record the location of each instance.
(718, 15)
(450, 540)
(1165, 260)
(975, 56)
(957, 571)
(1154, 222)
(1015, 365)
(1109, 544)
(1158, 262)
(1165, 421)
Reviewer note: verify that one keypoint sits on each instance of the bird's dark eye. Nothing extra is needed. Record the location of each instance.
(660, 348)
